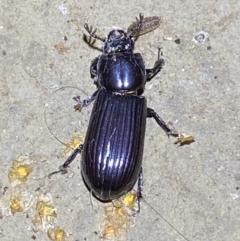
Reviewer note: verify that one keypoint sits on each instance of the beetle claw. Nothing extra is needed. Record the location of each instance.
(78, 106)
(53, 173)
(63, 169)
(172, 132)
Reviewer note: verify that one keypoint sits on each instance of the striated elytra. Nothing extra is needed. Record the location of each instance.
(113, 148)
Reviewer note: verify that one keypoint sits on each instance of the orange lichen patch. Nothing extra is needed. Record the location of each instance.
(61, 48)
(130, 200)
(119, 217)
(15, 204)
(76, 140)
(115, 223)
(45, 209)
(21, 168)
(16, 201)
(109, 232)
(184, 139)
(127, 202)
(45, 213)
(57, 234)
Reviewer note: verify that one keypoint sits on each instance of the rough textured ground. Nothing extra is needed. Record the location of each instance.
(195, 187)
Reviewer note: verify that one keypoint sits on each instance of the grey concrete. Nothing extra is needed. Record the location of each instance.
(195, 187)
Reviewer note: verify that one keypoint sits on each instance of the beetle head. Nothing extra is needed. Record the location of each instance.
(118, 41)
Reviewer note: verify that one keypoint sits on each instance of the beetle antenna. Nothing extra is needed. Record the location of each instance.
(49, 110)
(92, 32)
(165, 220)
(138, 27)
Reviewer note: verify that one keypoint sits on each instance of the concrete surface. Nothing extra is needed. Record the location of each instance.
(195, 187)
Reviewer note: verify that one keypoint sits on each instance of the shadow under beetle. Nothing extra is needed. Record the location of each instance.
(113, 148)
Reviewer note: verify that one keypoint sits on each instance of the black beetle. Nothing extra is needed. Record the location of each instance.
(113, 148)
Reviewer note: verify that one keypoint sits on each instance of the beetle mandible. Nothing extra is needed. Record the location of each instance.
(113, 148)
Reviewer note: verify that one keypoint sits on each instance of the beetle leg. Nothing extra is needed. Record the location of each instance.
(93, 68)
(93, 71)
(84, 103)
(170, 131)
(139, 190)
(63, 168)
(157, 66)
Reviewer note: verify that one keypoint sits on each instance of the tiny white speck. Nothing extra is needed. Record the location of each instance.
(221, 168)
(55, 86)
(234, 196)
(63, 9)
(150, 87)
(167, 38)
